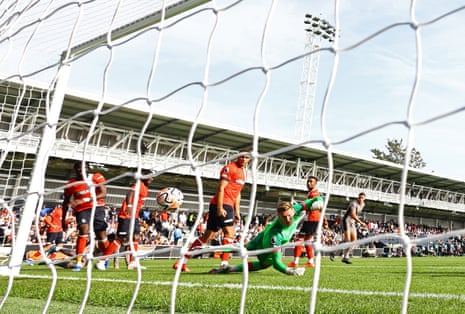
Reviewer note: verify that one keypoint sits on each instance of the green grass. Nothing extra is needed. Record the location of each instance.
(367, 286)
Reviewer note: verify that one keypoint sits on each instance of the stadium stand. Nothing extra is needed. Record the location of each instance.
(431, 200)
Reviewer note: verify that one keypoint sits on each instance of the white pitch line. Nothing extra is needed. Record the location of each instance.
(266, 287)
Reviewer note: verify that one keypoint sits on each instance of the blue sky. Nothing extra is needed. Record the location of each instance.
(372, 86)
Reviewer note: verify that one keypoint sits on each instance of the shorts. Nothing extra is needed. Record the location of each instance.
(124, 227)
(215, 223)
(309, 228)
(348, 224)
(83, 218)
(55, 237)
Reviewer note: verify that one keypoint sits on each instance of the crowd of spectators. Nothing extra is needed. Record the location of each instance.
(164, 227)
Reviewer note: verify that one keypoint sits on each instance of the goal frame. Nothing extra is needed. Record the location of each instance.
(56, 95)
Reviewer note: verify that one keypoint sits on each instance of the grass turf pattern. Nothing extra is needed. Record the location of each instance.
(369, 285)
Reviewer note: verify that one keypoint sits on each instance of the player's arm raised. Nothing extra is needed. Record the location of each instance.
(315, 203)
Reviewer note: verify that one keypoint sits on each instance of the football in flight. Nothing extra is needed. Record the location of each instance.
(170, 198)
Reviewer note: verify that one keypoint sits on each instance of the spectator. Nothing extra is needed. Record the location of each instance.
(182, 219)
(177, 234)
(113, 214)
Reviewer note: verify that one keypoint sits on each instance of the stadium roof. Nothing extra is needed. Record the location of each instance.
(83, 107)
(225, 136)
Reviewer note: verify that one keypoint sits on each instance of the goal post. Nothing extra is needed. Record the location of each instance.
(171, 10)
(34, 201)
(89, 78)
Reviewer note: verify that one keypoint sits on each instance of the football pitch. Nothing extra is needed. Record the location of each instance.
(369, 285)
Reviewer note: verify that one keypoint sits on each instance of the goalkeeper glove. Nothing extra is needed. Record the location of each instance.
(295, 271)
(317, 205)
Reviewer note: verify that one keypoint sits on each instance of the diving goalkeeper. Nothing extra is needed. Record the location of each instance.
(279, 232)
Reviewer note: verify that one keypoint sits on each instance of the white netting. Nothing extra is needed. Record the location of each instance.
(234, 63)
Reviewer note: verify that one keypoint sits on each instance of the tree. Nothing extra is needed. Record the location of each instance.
(396, 154)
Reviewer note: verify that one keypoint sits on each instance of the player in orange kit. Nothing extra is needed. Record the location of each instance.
(124, 219)
(224, 209)
(78, 196)
(309, 227)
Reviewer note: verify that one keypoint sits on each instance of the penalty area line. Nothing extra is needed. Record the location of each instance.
(442, 296)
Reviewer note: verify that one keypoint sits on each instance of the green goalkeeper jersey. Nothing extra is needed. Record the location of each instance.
(276, 234)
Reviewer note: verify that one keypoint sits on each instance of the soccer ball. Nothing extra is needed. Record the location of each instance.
(170, 198)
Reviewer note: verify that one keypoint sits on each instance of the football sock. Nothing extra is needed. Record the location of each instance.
(81, 244)
(226, 255)
(309, 250)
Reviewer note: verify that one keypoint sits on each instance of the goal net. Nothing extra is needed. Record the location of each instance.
(70, 71)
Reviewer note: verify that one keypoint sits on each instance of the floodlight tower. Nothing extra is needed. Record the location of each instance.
(316, 29)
